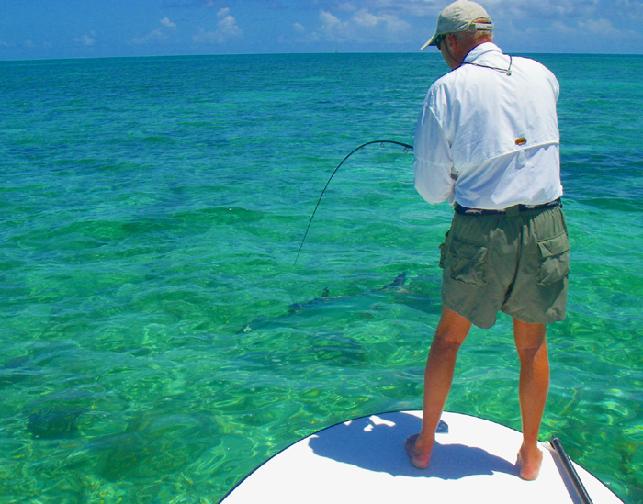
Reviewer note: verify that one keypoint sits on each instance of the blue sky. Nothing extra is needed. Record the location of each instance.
(36, 29)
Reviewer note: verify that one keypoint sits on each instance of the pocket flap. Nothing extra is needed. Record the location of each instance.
(467, 262)
(554, 246)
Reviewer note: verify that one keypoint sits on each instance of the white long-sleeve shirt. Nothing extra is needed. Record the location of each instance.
(486, 139)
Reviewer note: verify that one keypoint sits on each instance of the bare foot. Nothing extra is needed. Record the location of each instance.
(529, 462)
(419, 451)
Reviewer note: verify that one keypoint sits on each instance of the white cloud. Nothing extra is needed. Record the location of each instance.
(600, 26)
(157, 34)
(298, 27)
(560, 27)
(227, 24)
(87, 39)
(542, 9)
(346, 7)
(392, 24)
(168, 23)
(365, 18)
(630, 8)
(415, 8)
(227, 29)
(332, 27)
(363, 25)
(497, 8)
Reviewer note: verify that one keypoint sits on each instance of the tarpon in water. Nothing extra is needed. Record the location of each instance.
(324, 298)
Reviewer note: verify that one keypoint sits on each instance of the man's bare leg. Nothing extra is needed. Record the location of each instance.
(438, 375)
(531, 345)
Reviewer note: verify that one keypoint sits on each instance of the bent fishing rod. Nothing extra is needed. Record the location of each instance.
(321, 195)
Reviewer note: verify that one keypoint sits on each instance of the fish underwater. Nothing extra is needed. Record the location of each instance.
(329, 330)
(54, 423)
(327, 302)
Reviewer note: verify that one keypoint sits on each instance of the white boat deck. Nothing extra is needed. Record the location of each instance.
(363, 461)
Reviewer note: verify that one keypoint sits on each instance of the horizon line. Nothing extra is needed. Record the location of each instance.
(186, 55)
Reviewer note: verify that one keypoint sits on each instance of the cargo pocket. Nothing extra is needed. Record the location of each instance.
(467, 262)
(554, 259)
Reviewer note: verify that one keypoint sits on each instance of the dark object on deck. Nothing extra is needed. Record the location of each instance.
(571, 472)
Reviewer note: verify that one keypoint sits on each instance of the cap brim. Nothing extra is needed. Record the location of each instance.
(430, 42)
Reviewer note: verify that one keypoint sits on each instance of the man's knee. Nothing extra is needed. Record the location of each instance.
(451, 332)
(444, 349)
(531, 353)
(530, 339)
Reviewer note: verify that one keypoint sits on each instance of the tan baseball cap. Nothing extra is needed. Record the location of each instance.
(460, 16)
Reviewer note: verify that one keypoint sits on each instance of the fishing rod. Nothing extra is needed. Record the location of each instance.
(321, 195)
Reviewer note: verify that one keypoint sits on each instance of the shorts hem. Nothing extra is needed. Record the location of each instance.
(473, 319)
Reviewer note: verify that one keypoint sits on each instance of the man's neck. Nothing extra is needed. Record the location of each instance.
(463, 48)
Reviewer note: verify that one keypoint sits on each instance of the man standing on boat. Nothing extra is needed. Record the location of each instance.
(487, 141)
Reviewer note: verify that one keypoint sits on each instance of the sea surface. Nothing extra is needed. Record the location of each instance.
(158, 341)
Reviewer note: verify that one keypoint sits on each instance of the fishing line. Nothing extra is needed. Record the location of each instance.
(321, 195)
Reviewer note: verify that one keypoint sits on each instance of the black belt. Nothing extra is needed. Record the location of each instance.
(510, 210)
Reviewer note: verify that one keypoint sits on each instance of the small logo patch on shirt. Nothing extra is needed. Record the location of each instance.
(520, 141)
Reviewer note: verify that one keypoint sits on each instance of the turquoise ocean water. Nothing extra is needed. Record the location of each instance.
(157, 341)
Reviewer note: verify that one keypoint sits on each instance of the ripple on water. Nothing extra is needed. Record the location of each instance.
(159, 342)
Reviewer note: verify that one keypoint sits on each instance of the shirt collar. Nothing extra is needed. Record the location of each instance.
(481, 49)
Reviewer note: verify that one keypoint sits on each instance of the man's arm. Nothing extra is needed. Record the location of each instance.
(432, 159)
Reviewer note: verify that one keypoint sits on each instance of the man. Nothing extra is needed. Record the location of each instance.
(487, 141)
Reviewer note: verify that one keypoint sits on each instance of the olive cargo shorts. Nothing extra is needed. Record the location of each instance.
(517, 262)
